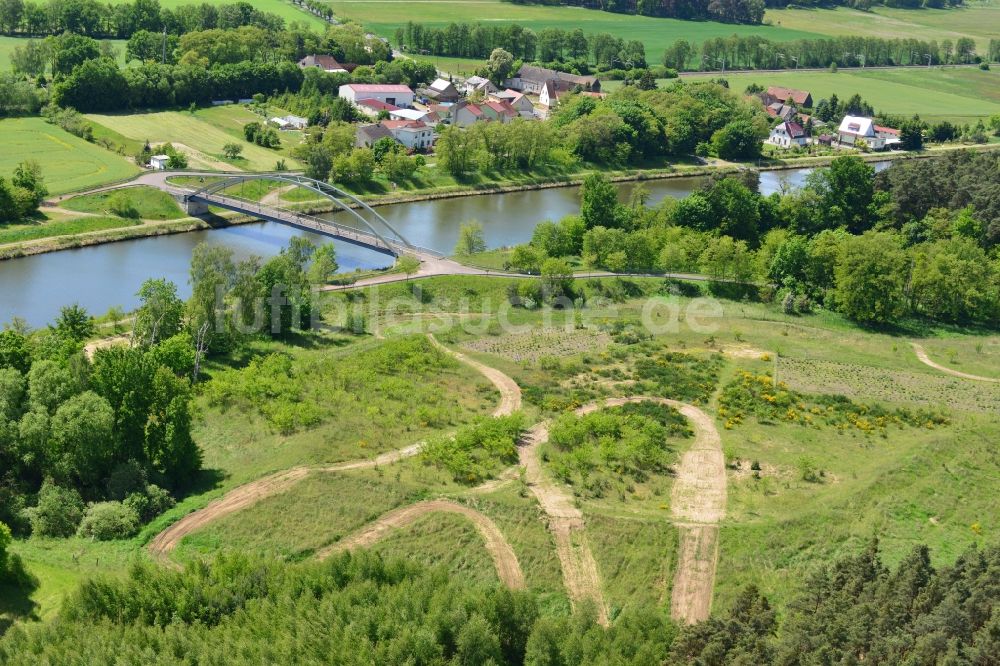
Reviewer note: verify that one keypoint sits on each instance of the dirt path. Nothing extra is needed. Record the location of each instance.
(504, 559)
(698, 504)
(105, 343)
(925, 359)
(273, 198)
(510, 392)
(248, 494)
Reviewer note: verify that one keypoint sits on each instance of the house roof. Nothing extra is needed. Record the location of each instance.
(541, 74)
(372, 132)
(857, 125)
(326, 62)
(409, 114)
(396, 125)
(442, 85)
(376, 105)
(471, 108)
(783, 94)
(886, 130)
(794, 130)
(503, 108)
(378, 88)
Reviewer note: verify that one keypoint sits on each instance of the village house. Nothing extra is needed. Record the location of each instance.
(781, 110)
(393, 94)
(788, 135)
(518, 101)
(801, 98)
(478, 84)
(441, 90)
(413, 134)
(464, 114)
(414, 114)
(365, 136)
(326, 63)
(859, 132)
(532, 80)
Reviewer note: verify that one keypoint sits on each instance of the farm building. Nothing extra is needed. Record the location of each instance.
(290, 122)
(394, 94)
(801, 98)
(531, 80)
(373, 107)
(441, 90)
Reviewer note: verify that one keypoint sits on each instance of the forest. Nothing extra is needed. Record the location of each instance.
(358, 608)
(917, 240)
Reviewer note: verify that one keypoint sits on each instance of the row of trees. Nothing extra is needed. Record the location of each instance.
(854, 610)
(732, 11)
(122, 20)
(478, 40)
(21, 195)
(912, 242)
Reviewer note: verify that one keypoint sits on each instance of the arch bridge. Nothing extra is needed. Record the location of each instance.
(372, 230)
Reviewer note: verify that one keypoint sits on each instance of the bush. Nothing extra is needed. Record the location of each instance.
(126, 478)
(150, 502)
(58, 511)
(109, 520)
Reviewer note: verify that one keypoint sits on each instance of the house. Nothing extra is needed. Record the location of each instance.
(788, 135)
(440, 113)
(825, 139)
(549, 95)
(478, 84)
(499, 111)
(531, 80)
(413, 114)
(290, 122)
(518, 101)
(159, 162)
(365, 136)
(890, 134)
(464, 114)
(326, 63)
(859, 132)
(781, 110)
(441, 90)
(413, 134)
(801, 98)
(393, 94)
(373, 107)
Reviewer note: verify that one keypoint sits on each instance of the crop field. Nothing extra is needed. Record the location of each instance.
(979, 20)
(383, 17)
(202, 135)
(958, 94)
(68, 162)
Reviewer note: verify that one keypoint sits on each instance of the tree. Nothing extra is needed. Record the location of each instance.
(160, 312)
(646, 81)
(737, 140)
(500, 66)
(58, 511)
(408, 264)
(846, 190)
(557, 278)
(870, 278)
(75, 323)
(911, 135)
(598, 201)
(82, 441)
(470, 239)
(15, 351)
(94, 85)
(232, 150)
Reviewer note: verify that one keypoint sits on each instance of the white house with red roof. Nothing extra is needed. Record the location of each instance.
(859, 132)
(388, 93)
(414, 134)
(788, 135)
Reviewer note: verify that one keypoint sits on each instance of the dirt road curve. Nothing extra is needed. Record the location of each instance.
(510, 392)
(925, 359)
(251, 493)
(504, 559)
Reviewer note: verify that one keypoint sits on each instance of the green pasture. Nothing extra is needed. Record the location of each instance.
(149, 202)
(68, 162)
(201, 135)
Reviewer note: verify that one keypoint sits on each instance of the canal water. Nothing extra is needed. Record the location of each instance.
(103, 276)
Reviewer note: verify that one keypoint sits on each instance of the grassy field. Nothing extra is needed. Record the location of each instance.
(202, 135)
(958, 94)
(68, 162)
(979, 20)
(282, 8)
(384, 17)
(35, 229)
(149, 202)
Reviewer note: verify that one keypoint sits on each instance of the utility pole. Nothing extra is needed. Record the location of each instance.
(164, 56)
(928, 60)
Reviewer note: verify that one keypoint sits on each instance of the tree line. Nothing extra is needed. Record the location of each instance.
(374, 610)
(122, 20)
(919, 240)
(732, 11)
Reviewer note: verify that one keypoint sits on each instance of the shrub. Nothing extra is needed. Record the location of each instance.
(150, 502)
(477, 451)
(58, 511)
(121, 204)
(126, 478)
(109, 520)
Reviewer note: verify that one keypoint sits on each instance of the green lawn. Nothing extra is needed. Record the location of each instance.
(68, 162)
(656, 33)
(959, 94)
(979, 20)
(18, 233)
(202, 135)
(151, 203)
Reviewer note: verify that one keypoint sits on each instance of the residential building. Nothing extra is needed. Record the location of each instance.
(366, 135)
(531, 80)
(327, 63)
(859, 132)
(499, 111)
(441, 90)
(518, 101)
(781, 110)
(890, 134)
(393, 94)
(478, 84)
(413, 114)
(464, 114)
(413, 134)
(788, 135)
(801, 98)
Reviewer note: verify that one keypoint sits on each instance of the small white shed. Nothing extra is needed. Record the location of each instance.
(159, 161)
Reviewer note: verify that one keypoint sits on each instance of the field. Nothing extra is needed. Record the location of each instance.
(201, 135)
(149, 203)
(958, 94)
(383, 18)
(282, 8)
(979, 20)
(68, 162)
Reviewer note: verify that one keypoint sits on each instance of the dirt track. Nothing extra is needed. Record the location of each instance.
(925, 359)
(250, 493)
(504, 559)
